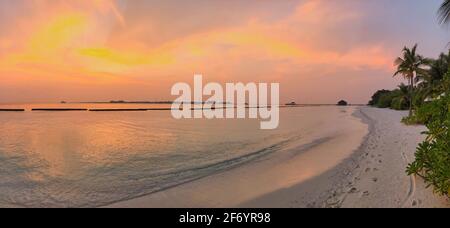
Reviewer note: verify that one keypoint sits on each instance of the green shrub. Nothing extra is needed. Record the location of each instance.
(385, 101)
(423, 114)
(399, 103)
(376, 97)
(395, 99)
(433, 156)
(411, 120)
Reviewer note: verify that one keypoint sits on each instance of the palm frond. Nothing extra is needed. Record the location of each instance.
(398, 61)
(444, 12)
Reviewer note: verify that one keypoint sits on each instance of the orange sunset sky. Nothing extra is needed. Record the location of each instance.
(100, 50)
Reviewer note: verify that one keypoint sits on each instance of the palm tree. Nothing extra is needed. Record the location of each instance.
(444, 12)
(410, 65)
(431, 83)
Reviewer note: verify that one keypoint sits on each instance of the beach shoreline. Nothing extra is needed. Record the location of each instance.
(372, 175)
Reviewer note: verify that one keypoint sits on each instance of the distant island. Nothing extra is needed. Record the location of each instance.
(342, 103)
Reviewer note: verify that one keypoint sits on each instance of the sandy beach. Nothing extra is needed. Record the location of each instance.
(361, 164)
(376, 174)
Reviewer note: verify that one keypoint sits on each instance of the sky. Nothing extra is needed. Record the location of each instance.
(320, 51)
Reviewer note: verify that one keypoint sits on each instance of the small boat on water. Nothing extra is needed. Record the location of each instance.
(291, 104)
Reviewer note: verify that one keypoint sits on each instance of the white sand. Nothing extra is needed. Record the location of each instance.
(359, 165)
(378, 176)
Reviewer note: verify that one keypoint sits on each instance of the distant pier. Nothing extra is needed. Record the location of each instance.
(119, 110)
(58, 109)
(12, 110)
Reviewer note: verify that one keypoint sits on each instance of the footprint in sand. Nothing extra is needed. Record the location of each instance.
(365, 194)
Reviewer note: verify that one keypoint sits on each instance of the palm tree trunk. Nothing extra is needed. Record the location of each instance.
(411, 90)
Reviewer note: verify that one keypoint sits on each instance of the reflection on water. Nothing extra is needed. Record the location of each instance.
(91, 159)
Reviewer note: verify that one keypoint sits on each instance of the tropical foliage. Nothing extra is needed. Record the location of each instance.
(428, 98)
(425, 82)
(398, 99)
(444, 12)
(433, 156)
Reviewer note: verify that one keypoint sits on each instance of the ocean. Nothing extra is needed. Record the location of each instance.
(90, 159)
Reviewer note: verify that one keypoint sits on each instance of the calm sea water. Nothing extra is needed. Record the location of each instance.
(85, 159)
